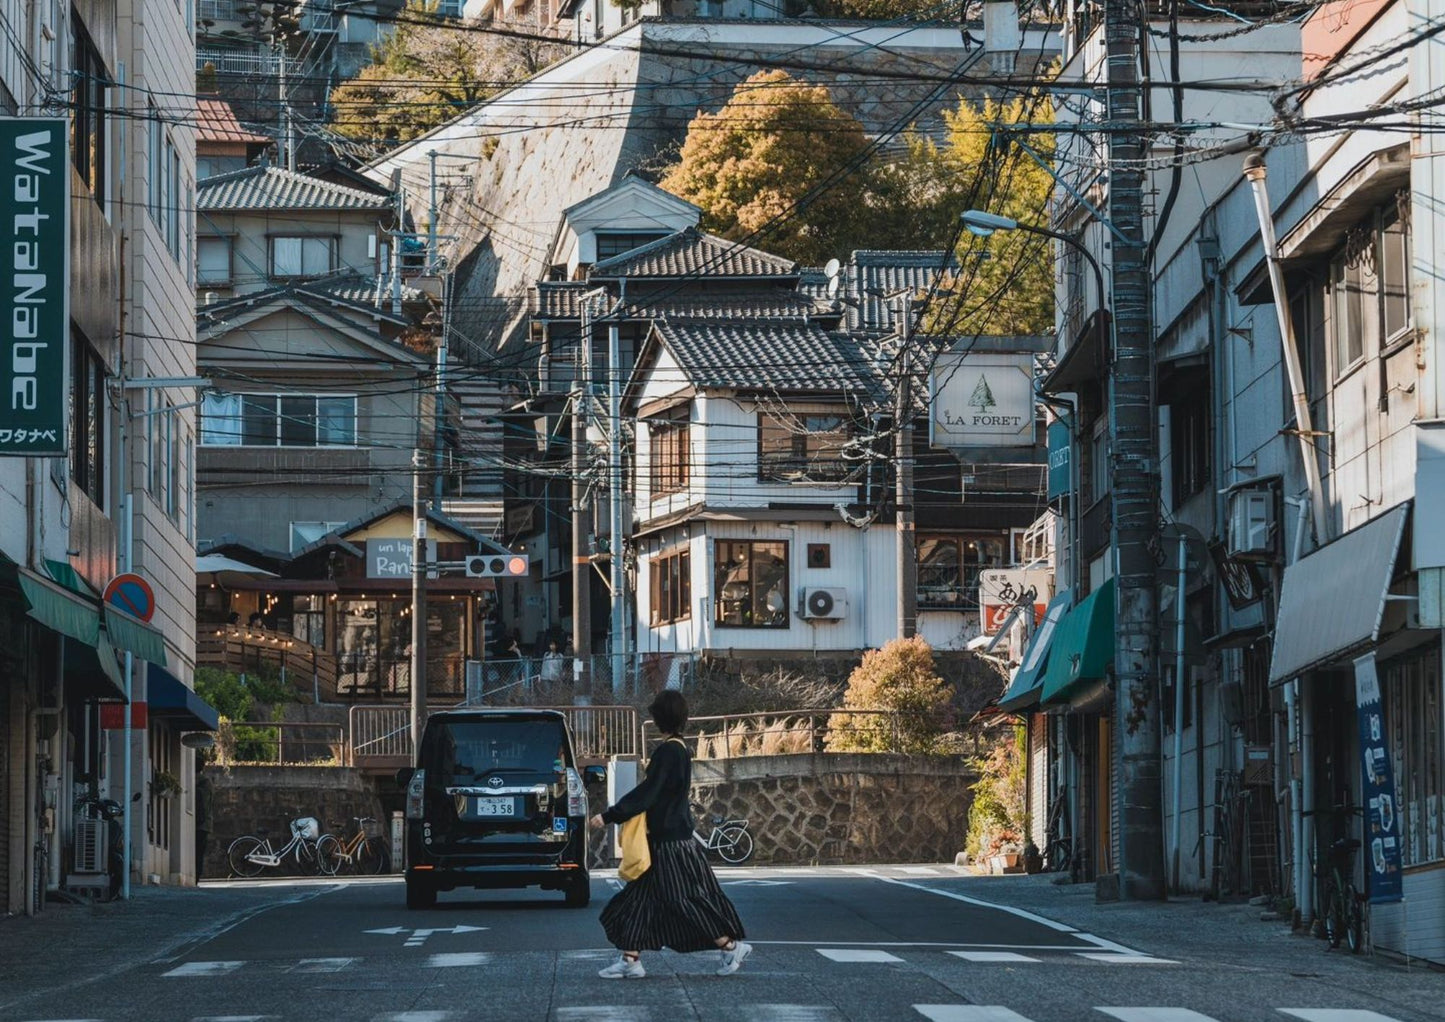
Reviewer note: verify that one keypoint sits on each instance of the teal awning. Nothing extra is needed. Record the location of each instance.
(1028, 681)
(130, 633)
(59, 609)
(1083, 646)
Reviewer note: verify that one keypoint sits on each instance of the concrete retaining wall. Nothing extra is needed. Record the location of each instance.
(841, 807)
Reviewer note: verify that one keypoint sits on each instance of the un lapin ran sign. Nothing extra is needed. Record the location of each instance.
(35, 242)
(983, 399)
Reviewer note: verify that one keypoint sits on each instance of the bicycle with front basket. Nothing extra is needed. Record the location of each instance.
(728, 838)
(249, 854)
(364, 852)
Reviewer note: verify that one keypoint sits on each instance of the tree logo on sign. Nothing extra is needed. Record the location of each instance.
(982, 398)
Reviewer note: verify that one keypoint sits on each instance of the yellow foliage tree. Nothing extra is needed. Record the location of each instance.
(903, 678)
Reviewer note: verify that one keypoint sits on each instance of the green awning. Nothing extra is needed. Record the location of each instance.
(1083, 647)
(91, 672)
(60, 610)
(129, 633)
(1023, 692)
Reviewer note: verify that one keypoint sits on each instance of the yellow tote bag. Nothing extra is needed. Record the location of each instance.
(636, 856)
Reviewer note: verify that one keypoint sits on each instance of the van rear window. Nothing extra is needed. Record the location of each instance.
(465, 752)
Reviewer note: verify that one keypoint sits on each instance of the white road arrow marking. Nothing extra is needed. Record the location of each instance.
(418, 936)
(756, 883)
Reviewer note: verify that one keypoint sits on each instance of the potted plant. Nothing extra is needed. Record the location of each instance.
(165, 784)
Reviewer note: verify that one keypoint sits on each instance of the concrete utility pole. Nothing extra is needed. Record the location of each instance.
(614, 544)
(1134, 478)
(581, 561)
(418, 602)
(907, 568)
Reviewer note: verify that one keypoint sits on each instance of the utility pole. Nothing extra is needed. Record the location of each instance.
(581, 561)
(418, 602)
(907, 567)
(431, 231)
(614, 545)
(1133, 477)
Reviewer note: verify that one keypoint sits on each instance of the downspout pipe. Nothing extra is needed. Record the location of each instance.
(1255, 171)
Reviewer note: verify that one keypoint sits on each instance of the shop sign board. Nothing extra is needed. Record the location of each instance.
(391, 558)
(982, 399)
(35, 307)
(1000, 590)
(1382, 842)
(1061, 453)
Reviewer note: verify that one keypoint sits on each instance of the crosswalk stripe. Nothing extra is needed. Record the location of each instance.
(968, 1013)
(919, 871)
(788, 1013)
(992, 956)
(1156, 1015)
(1336, 1015)
(203, 969)
(1117, 959)
(232, 1018)
(416, 1016)
(457, 959)
(321, 965)
(602, 1013)
(852, 954)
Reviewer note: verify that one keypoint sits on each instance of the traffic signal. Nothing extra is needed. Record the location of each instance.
(497, 566)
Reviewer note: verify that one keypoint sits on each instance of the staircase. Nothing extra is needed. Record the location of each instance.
(480, 400)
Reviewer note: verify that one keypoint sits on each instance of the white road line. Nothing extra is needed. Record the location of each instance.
(416, 1016)
(942, 944)
(992, 956)
(321, 965)
(232, 1018)
(921, 871)
(843, 954)
(1156, 1015)
(968, 1013)
(1021, 913)
(1131, 959)
(1336, 1015)
(204, 969)
(788, 1013)
(603, 1013)
(457, 959)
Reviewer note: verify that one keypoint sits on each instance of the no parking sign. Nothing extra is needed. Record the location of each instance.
(132, 594)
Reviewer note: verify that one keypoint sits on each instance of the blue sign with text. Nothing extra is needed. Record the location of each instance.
(1382, 816)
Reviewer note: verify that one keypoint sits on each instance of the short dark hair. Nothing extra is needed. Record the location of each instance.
(669, 711)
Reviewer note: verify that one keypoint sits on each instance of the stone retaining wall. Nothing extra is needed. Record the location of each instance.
(832, 808)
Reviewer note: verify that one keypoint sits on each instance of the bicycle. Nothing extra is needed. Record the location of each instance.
(1341, 905)
(1059, 852)
(728, 838)
(249, 854)
(364, 851)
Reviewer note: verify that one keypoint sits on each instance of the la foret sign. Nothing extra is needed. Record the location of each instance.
(983, 399)
(35, 243)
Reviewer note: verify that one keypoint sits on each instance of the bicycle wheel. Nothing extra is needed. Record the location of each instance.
(1354, 918)
(1056, 859)
(737, 844)
(328, 852)
(371, 857)
(238, 856)
(1332, 914)
(308, 863)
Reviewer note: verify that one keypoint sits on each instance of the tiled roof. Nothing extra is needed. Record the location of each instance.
(359, 290)
(264, 187)
(562, 300)
(556, 299)
(216, 122)
(352, 290)
(785, 356)
(872, 274)
(690, 253)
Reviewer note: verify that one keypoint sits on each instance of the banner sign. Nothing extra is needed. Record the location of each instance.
(35, 308)
(1381, 846)
(982, 399)
(1000, 590)
(1061, 453)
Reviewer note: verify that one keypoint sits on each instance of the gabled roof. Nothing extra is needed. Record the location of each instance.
(693, 253)
(216, 122)
(264, 187)
(338, 535)
(786, 356)
(352, 290)
(873, 274)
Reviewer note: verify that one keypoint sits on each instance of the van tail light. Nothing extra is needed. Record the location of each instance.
(576, 794)
(415, 790)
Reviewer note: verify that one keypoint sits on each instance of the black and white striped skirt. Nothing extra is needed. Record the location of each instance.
(676, 904)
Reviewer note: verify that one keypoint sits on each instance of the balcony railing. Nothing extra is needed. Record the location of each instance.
(245, 62)
(218, 10)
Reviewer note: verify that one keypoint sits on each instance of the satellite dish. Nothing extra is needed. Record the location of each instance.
(831, 269)
(834, 284)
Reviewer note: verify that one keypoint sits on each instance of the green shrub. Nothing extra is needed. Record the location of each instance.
(900, 677)
(235, 697)
(997, 818)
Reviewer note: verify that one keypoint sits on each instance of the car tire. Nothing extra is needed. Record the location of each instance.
(579, 891)
(419, 894)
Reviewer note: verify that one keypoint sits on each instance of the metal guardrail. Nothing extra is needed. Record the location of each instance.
(242, 62)
(278, 743)
(380, 734)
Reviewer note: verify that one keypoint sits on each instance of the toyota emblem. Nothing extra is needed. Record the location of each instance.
(494, 782)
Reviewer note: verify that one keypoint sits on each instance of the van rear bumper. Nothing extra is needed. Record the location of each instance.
(553, 869)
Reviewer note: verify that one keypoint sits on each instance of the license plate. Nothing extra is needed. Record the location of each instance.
(494, 807)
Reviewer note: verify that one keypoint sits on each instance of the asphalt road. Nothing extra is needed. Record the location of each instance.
(888, 943)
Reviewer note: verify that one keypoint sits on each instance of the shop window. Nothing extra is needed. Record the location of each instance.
(804, 449)
(751, 584)
(669, 455)
(671, 587)
(949, 566)
(1410, 688)
(308, 619)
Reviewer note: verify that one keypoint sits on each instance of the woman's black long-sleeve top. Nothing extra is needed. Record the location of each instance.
(663, 795)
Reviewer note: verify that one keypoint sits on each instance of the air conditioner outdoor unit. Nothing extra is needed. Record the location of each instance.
(824, 604)
(1251, 524)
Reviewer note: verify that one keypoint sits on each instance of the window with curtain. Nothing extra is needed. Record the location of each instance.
(279, 420)
(220, 420)
(671, 588)
(213, 260)
(302, 256)
(751, 584)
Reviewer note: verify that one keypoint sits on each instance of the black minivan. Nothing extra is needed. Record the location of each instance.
(496, 800)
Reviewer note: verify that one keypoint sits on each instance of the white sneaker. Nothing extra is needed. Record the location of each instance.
(733, 960)
(624, 968)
